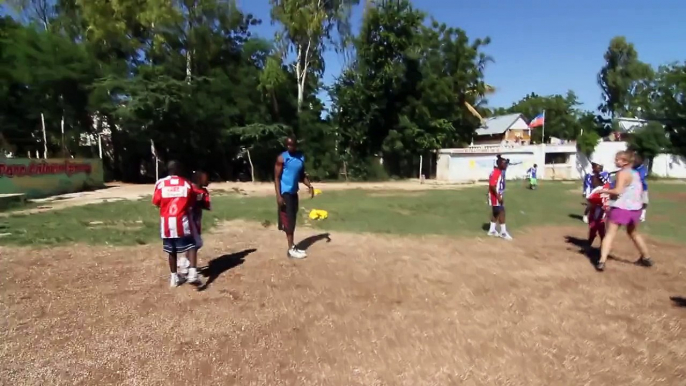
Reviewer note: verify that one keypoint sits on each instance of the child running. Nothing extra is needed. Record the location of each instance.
(202, 202)
(597, 204)
(531, 175)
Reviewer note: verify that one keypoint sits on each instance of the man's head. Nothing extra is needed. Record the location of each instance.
(502, 163)
(638, 159)
(596, 168)
(200, 178)
(535, 166)
(174, 168)
(291, 144)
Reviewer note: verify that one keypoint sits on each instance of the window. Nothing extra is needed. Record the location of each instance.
(556, 158)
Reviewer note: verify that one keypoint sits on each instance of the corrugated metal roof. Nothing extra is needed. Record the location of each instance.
(497, 125)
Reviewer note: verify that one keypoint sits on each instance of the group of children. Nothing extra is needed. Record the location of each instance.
(181, 203)
(596, 203)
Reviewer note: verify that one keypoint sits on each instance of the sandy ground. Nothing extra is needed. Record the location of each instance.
(120, 191)
(361, 310)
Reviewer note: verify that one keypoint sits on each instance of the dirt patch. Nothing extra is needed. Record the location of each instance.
(361, 310)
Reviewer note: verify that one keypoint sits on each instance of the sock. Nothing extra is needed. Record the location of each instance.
(174, 275)
(643, 213)
(192, 272)
(503, 229)
(492, 228)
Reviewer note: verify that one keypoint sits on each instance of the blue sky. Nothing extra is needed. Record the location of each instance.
(545, 46)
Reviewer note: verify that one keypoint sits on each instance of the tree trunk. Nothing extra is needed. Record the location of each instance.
(252, 168)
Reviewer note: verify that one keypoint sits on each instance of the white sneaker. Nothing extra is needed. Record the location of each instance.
(492, 233)
(193, 277)
(301, 252)
(175, 281)
(585, 219)
(182, 266)
(296, 254)
(506, 236)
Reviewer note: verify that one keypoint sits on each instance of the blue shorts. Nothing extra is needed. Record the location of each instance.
(178, 245)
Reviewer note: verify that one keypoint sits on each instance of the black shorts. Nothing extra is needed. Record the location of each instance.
(288, 212)
(497, 210)
(178, 245)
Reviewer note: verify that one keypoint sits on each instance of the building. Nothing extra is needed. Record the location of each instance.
(511, 129)
(630, 125)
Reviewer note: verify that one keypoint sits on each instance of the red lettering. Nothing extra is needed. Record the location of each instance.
(44, 168)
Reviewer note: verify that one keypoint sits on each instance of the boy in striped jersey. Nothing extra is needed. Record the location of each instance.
(175, 197)
(496, 188)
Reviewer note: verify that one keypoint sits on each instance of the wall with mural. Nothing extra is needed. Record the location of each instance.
(38, 178)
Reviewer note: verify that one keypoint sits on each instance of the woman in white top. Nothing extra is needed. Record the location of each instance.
(626, 205)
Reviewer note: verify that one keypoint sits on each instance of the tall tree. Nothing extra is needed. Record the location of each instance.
(621, 78)
(406, 92)
(307, 28)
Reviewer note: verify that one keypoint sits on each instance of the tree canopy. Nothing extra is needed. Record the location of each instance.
(194, 79)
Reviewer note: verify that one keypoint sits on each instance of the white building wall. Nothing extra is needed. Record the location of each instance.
(467, 165)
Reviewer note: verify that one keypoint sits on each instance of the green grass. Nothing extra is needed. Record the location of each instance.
(440, 212)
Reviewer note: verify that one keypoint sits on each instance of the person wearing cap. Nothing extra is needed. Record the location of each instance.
(596, 169)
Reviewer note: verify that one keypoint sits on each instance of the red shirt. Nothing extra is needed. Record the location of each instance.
(202, 202)
(497, 181)
(175, 198)
(598, 202)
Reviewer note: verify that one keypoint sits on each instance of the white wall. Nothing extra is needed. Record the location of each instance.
(464, 165)
(457, 165)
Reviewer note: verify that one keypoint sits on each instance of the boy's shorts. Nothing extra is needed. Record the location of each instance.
(198, 241)
(533, 181)
(178, 245)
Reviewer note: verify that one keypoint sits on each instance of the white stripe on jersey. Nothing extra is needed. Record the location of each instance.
(186, 226)
(173, 229)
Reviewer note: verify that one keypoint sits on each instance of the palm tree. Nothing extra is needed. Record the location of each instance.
(488, 90)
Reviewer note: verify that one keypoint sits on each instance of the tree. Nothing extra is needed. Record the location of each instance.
(307, 28)
(649, 141)
(666, 103)
(621, 78)
(406, 93)
(587, 142)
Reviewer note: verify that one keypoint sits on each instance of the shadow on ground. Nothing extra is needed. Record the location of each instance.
(576, 216)
(307, 242)
(678, 301)
(221, 264)
(593, 253)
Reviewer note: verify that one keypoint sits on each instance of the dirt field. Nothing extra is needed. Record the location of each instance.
(362, 310)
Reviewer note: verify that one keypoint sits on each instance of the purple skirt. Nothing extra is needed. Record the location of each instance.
(624, 216)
